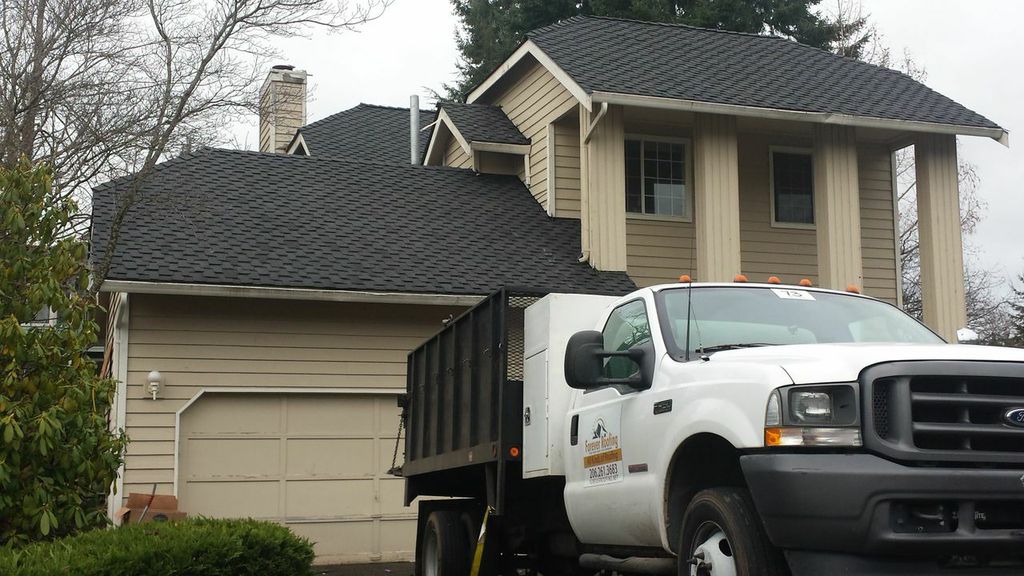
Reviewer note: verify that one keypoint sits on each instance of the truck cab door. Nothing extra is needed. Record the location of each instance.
(608, 487)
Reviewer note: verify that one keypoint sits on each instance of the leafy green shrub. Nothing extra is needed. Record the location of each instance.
(58, 456)
(192, 547)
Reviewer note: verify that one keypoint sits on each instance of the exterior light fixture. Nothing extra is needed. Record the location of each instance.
(155, 381)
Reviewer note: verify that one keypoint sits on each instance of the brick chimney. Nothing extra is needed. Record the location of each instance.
(282, 107)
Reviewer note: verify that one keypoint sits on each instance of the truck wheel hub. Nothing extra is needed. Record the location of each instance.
(713, 556)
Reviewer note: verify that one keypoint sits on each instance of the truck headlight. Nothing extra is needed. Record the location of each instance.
(818, 415)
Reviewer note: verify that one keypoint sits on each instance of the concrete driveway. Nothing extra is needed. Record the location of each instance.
(381, 569)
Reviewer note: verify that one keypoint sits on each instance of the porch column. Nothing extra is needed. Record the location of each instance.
(717, 197)
(837, 207)
(603, 189)
(941, 244)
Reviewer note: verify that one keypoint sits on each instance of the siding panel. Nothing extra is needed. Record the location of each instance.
(766, 250)
(455, 156)
(220, 342)
(532, 102)
(658, 251)
(877, 222)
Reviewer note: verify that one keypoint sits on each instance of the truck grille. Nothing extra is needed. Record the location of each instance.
(966, 413)
(945, 411)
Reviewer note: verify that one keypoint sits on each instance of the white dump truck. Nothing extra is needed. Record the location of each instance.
(712, 429)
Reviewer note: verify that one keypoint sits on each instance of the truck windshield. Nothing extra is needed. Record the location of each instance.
(723, 318)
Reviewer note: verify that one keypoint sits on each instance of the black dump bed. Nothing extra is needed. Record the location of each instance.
(464, 400)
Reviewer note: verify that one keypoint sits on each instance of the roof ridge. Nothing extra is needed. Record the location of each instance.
(358, 106)
(562, 23)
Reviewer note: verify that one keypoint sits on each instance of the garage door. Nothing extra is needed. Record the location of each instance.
(314, 462)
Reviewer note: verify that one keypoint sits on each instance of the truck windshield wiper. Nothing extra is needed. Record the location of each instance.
(721, 347)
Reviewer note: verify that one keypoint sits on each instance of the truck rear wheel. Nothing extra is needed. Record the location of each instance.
(722, 536)
(445, 549)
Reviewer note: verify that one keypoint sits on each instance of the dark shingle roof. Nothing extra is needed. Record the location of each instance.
(366, 133)
(484, 123)
(252, 219)
(682, 62)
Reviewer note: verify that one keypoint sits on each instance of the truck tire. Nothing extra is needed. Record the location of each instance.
(722, 536)
(444, 550)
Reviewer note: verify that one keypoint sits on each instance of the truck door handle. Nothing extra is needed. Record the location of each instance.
(574, 430)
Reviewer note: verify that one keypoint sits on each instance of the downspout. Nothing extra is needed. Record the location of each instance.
(585, 198)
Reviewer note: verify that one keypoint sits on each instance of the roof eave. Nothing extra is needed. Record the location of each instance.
(998, 134)
(239, 291)
(500, 147)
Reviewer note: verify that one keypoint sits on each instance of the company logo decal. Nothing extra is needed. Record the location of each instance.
(602, 453)
(1014, 417)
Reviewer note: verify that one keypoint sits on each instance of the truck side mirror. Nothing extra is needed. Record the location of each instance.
(584, 363)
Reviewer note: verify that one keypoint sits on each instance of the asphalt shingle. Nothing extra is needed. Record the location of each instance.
(484, 123)
(367, 133)
(682, 62)
(252, 219)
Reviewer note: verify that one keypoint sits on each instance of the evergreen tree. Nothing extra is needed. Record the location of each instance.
(491, 29)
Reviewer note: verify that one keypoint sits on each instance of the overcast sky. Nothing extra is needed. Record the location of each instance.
(972, 51)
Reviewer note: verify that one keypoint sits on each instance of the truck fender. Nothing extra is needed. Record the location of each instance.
(712, 418)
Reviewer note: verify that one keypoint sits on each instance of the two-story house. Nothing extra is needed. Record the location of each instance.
(270, 298)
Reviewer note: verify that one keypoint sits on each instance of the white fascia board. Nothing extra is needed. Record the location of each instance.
(500, 147)
(232, 291)
(997, 134)
(443, 118)
(531, 49)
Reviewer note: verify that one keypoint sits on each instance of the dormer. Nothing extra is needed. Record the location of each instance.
(478, 137)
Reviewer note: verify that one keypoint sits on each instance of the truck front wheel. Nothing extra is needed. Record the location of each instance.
(445, 547)
(722, 536)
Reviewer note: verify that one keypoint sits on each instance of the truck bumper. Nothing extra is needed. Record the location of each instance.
(854, 506)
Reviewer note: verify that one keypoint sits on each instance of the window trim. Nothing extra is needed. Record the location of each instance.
(688, 195)
(771, 186)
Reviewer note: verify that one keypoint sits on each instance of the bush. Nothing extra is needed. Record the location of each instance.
(193, 547)
(58, 456)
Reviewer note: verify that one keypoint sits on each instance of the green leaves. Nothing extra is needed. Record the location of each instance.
(194, 546)
(57, 455)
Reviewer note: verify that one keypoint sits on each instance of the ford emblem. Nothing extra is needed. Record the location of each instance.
(1014, 417)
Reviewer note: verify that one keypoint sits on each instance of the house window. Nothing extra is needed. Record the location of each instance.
(656, 177)
(792, 178)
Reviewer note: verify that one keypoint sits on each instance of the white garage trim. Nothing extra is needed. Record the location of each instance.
(261, 390)
(119, 370)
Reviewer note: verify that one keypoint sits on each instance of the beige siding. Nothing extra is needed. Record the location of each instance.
(567, 169)
(220, 342)
(877, 222)
(455, 156)
(658, 251)
(532, 101)
(766, 250)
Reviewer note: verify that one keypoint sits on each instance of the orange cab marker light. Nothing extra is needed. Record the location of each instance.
(852, 288)
(740, 278)
(806, 282)
(685, 279)
(514, 452)
(772, 436)
(774, 280)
